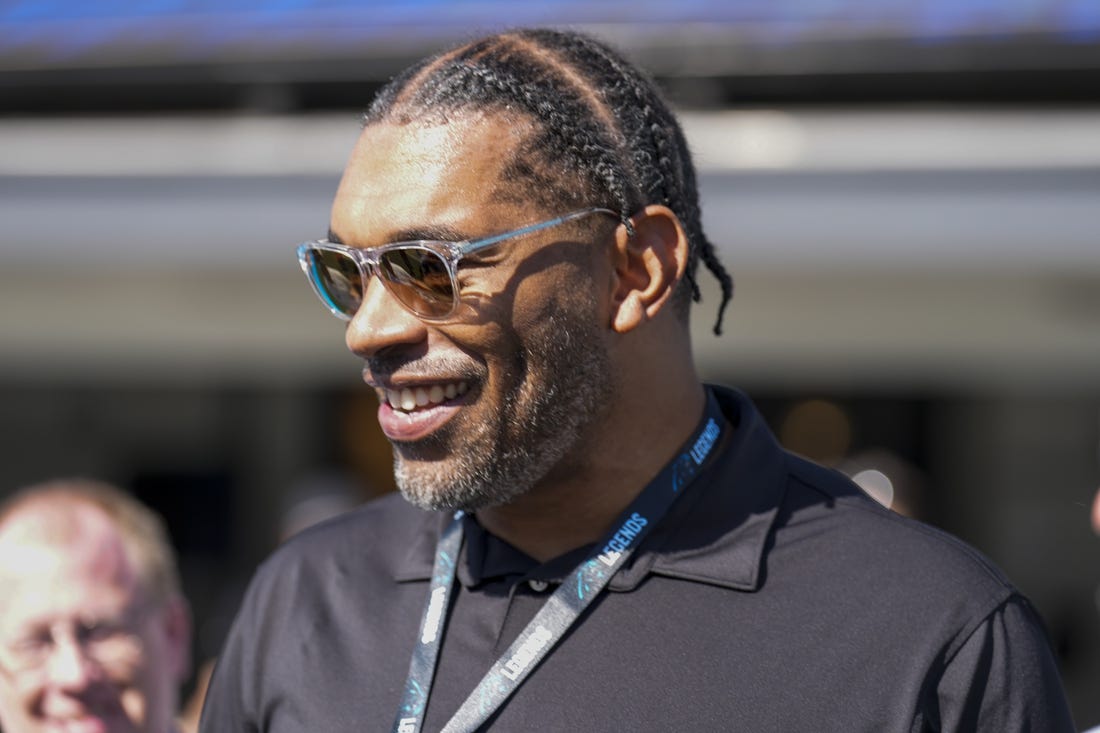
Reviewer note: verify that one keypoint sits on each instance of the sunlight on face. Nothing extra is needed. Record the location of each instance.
(531, 357)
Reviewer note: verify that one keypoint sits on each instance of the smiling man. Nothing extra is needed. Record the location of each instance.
(590, 538)
(94, 634)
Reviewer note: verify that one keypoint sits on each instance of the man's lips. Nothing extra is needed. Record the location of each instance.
(411, 413)
(82, 724)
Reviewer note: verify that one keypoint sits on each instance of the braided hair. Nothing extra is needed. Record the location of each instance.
(602, 135)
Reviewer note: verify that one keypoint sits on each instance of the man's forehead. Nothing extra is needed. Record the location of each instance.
(402, 177)
(55, 541)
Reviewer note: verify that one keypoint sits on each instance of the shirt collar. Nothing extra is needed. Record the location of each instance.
(715, 533)
(418, 562)
(483, 557)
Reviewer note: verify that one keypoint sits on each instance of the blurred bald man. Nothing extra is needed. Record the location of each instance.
(94, 632)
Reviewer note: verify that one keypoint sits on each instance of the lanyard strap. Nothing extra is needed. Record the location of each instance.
(426, 651)
(560, 611)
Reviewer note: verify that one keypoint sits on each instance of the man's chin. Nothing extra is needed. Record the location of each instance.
(433, 488)
(433, 499)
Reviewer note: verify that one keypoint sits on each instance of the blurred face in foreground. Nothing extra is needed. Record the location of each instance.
(83, 649)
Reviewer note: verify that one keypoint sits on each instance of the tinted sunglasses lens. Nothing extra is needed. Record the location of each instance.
(419, 279)
(336, 278)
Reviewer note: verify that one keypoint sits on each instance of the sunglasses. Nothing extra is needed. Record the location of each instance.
(420, 275)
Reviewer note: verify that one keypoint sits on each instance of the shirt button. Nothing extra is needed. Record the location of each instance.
(538, 585)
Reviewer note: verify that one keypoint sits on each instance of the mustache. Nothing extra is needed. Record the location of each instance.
(384, 366)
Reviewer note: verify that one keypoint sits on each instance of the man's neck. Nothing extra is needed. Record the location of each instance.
(575, 506)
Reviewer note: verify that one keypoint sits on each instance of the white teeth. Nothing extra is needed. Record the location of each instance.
(410, 398)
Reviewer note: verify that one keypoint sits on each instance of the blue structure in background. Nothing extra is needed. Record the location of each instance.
(47, 34)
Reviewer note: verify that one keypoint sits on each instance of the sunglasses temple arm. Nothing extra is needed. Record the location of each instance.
(467, 247)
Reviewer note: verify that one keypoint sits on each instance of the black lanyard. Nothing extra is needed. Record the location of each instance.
(560, 611)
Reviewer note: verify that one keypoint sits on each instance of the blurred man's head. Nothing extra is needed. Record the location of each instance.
(94, 633)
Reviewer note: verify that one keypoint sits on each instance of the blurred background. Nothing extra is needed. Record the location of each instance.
(907, 193)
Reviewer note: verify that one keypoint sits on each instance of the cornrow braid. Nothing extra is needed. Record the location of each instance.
(597, 121)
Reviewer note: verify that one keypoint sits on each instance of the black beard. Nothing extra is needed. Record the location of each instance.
(562, 388)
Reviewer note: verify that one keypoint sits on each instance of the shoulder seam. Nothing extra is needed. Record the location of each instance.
(934, 533)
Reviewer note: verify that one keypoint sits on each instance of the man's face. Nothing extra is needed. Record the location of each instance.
(503, 396)
(81, 648)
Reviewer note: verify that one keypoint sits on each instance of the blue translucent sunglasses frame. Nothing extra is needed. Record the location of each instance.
(368, 261)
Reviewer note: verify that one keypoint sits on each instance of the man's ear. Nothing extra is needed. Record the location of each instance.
(175, 621)
(648, 266)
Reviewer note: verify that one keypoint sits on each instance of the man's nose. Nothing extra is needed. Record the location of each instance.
(70, 666)
(381, 323)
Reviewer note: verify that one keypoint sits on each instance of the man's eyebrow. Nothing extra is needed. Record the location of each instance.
(437, 233)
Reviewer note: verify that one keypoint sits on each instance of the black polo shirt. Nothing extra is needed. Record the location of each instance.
(774, 596)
